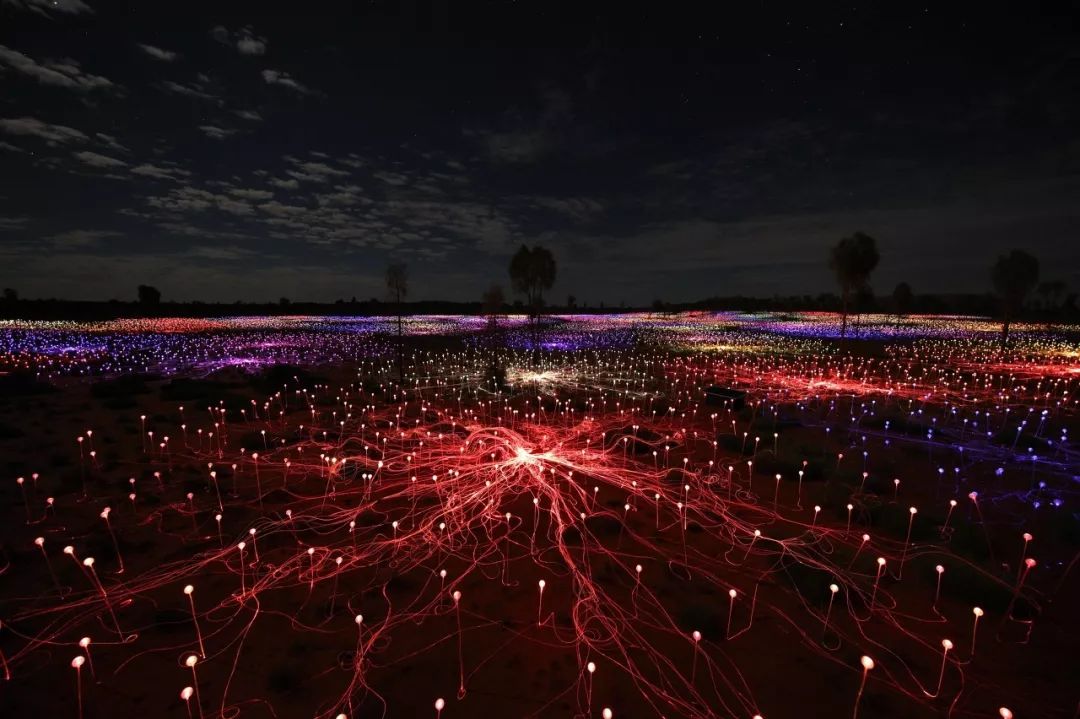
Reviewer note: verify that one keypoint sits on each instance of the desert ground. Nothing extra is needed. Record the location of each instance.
(710, 515)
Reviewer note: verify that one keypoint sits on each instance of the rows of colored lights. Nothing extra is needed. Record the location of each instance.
(570, 511)
(175, 345)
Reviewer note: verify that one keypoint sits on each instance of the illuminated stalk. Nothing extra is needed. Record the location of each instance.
(877, 579)
(89, 563)
(40, 542)
(946, 645)
(948, 515)
(907, 541)
(85, 644)
(26, 502)
(112, 535)
(461, 654)
(833, 589)
(867, 664)
(258, 487)
(254, 546)
(243, 581)
(185, 695)
(77, 663)
(865, 539)
(591, 669)
(978, 612)
(191, 661)
(1023, 554)
(189, 590)
(693, 667)
(937, 589)
(757, 533)
(217, 491)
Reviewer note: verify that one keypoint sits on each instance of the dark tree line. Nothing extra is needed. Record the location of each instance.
(1013, 276)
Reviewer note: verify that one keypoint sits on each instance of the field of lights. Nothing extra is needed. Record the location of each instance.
(704, 515)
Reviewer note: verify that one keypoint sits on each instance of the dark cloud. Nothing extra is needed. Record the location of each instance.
(81, 238)
(160, 173)
(216, 133)
(50, 8)
(276, 77)
(65, 73)
(158, 53)
(244, 40)
(33, 127)
(97, 160)
(191, 90)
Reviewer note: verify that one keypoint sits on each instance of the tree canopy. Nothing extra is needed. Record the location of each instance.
(532, 271)
(852, 260)
(1014, 276)
(397, 281)
(149, 295)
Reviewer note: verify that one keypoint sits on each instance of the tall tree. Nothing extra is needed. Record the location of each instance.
(532, 271)
(397, 286)
(149, 295)
(852, 260)
(1014, 276)
(902, 297)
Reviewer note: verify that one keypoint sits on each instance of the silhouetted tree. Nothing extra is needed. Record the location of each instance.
(852, 259)
(11, 296)
(1051, 291)
(532, 272)
(1068, 307)
(491, 304)
(1014, 275)
(149, 295)
(571, 302)
(902, 297)
(397, 286)
(284, 302)
(864, 302)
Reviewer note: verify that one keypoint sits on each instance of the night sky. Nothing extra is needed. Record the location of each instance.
(247, 151)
